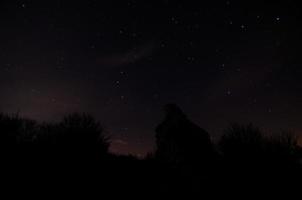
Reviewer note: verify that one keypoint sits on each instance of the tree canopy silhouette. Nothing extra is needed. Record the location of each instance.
(248, 145)
(181, 141)
(77, 136)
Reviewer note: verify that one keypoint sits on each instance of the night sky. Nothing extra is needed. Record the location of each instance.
(220, 61)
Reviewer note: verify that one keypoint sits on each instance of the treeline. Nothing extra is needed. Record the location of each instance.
(74, 153)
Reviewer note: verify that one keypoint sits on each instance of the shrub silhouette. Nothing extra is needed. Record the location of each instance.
(181, 141)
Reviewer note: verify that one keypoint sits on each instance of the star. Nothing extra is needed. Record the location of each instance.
(174, 20)
(191, 59)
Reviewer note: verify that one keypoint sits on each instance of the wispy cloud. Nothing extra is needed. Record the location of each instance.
(120, 142)
(131, 56)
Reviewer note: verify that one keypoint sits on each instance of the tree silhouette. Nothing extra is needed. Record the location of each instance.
(77, 136)
(246, 148)
(16, 135)
(242, 142)
(283, 149)
(14, 128)
(181, 141)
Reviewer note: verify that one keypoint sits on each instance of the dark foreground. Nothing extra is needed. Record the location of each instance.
(70, 159)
